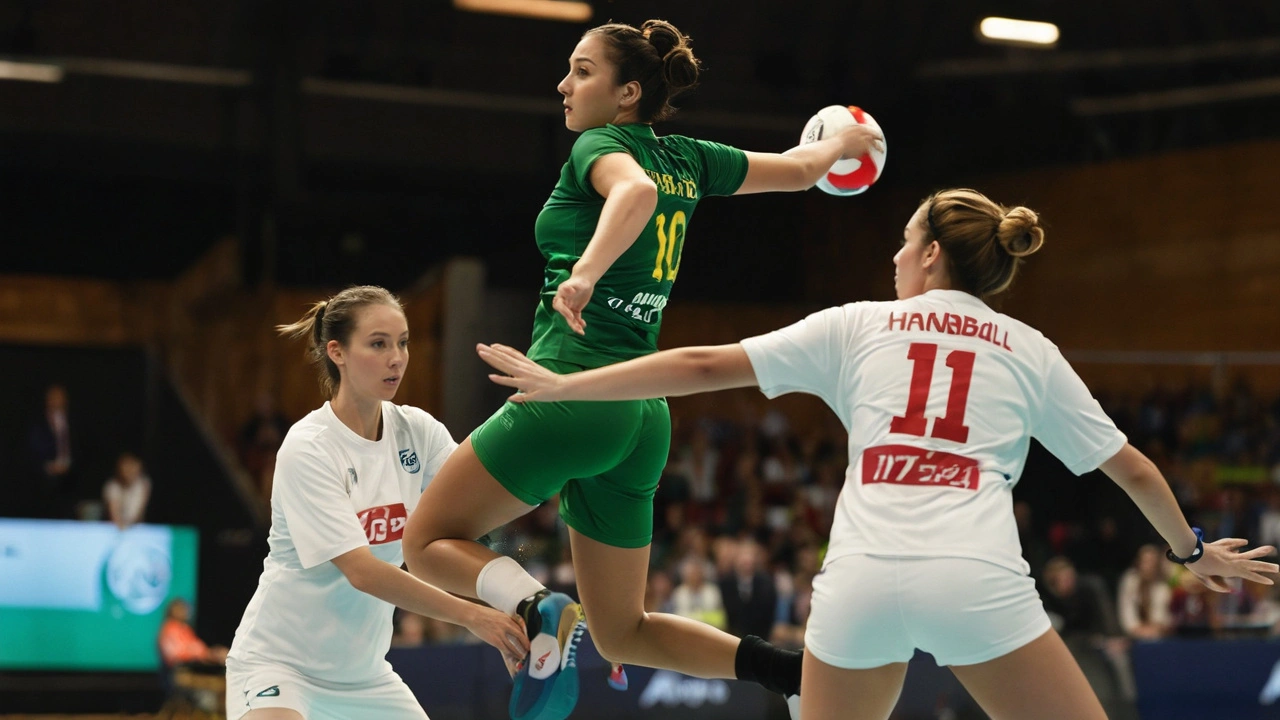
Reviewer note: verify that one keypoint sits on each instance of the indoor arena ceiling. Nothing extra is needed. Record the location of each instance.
(222, 109)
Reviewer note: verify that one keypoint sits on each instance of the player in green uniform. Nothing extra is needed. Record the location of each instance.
(612, 232)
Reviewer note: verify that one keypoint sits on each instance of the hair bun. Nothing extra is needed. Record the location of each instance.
(662, 35)
(1020, 233)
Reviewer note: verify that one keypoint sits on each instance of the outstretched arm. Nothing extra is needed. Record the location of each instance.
(1140, 478)
(802, 166)
(386, 582)
(684, 371)
(629, 201)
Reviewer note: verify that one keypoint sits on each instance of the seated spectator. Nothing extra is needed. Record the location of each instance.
(749, 594)
(127, 492)
(410, 629)
(1144, 596)
(259, 439)
(52, 445)
(1193, 607)
(657, 593)
(694, 597)
(793, 613)
(179, 644)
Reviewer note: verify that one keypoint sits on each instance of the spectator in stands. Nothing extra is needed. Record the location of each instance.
(52, 445)
(410, 629)
(657, 594)
(259, 439)
(1077, 607)
(179, 644)
(1144, 596)
(749, 594)
(127, 492)
(1193, 607)
(696, 598)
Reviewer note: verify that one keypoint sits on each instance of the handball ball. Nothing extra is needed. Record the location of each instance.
(852, 175)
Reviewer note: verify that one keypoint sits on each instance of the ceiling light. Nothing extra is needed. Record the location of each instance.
(1018, 32)
(31, 72)
(562, 10)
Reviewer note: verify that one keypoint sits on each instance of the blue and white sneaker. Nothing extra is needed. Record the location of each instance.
(546, 685)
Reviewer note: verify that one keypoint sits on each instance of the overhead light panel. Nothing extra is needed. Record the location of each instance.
(561, 10)
(30, 72)
(1026, 33)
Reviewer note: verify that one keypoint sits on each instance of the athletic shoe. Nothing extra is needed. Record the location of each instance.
(618, 678)
(546, 686)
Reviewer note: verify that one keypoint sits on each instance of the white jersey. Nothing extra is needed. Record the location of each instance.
(941, 396)
(333, 492)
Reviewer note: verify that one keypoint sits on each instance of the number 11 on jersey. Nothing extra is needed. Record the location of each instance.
(951, 425)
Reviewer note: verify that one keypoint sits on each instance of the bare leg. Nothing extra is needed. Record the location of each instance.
(462, 503)
(1038, 681)
(611, 583)
(827, 691)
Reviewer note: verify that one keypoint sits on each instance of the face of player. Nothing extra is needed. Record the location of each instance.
(374, 360)
(591, 98)
(909, 263)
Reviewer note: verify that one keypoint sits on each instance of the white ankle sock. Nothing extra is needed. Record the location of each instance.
(503, 584)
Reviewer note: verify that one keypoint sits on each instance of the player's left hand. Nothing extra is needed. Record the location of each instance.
(534, 381)
(1223, 559)
(571, 297)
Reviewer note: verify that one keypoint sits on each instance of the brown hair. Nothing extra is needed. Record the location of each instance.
(657, 56)
(335, 319)
(984, 241)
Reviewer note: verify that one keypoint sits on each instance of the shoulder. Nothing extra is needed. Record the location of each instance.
(411, 416)
(308, 436)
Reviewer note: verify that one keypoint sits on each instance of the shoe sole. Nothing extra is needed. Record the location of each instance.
(558, 694)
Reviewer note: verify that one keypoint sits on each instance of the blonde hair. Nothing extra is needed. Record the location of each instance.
(984, 241)
(335, 319)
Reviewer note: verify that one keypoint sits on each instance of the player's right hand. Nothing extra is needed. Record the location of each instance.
(571, 298)
(532, 380)
(504, 632)
(1222, 559)
(858, 140)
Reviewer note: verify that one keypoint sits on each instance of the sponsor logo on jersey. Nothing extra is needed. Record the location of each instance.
(273, 691)
(383, 524)
(907, 465)
(409, 460)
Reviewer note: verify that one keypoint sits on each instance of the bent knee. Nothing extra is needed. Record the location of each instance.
(614, 638)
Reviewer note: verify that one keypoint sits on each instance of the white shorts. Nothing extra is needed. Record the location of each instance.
(871, 610)
(251, 687)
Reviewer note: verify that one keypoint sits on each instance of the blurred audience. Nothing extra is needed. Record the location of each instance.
(1144, 597)
(126, 493)
(749, 594)
(259, 439)
(694, 597)
(178, 642)
(52, 445)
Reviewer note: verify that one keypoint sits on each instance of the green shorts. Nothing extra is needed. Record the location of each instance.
(604, 458)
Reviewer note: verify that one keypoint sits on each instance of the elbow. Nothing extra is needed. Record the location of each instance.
(359, 580)
(643, 196)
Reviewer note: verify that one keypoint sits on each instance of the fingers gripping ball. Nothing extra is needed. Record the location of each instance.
(849, 176)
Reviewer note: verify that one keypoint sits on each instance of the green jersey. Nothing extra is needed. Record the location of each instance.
(625, 311)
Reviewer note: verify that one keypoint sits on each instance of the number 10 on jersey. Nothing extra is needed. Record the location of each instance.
(668, 239)
(951, 425)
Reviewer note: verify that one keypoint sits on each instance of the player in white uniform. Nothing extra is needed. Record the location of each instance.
(313, 640)
(941, 396)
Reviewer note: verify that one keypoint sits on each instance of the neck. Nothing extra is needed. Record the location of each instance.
(362, 415)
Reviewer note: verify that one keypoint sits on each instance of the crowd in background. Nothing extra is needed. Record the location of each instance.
(744, 509)
(745, 506)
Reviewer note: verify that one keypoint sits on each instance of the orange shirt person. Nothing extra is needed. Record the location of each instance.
(179, 644)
